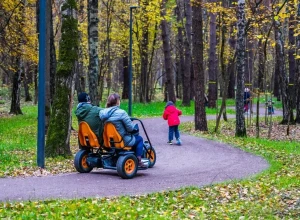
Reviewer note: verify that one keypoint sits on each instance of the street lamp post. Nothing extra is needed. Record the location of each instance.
(130, 63)
(41, 90)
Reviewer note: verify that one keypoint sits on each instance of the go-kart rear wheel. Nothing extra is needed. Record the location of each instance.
(151, 155)
(127, 166)
(80, 161)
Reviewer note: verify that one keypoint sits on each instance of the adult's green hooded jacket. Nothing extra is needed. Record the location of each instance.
(90, 114)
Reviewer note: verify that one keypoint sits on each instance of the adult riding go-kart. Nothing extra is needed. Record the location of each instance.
(113, 154)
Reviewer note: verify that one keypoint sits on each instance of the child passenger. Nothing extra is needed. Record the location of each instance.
(171, 113)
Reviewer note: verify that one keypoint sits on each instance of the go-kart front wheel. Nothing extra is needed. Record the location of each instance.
(127, 166)
(150, 154)
(80, 161)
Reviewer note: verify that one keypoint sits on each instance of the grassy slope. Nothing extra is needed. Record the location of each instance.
(274, 194)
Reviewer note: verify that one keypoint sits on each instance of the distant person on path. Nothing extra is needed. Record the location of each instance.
(270, 106)
(247, 97)
(122, 122)
(171, 113)
(89, 113)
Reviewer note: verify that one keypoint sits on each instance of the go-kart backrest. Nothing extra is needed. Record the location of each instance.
(112, 136)
(86, 136)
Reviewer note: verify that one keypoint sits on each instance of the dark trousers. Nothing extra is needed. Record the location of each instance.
(173, 130)
(138, 145)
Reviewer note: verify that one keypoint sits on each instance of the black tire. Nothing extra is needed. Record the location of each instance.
(152, 159)
(80, 162)
(127, 166)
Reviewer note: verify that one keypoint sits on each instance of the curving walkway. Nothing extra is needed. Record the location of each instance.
(197, 162)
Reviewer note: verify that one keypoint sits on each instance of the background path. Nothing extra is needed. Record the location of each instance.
(197, 162)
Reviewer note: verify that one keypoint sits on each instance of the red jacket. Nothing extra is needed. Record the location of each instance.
(171, 114)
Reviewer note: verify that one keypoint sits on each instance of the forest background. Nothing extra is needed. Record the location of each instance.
(181, 50)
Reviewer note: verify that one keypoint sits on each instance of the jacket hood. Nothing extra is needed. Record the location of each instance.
(171, 108)
(83, 110)
(107, 112)
(169, 103)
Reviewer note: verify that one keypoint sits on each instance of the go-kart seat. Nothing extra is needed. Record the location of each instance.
(87, 137)
(112, 138)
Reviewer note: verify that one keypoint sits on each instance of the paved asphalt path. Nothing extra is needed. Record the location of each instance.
(197, 162)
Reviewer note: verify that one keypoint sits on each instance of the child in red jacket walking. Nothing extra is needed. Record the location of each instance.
(171, 113)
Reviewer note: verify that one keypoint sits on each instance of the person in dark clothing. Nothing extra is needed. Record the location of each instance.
(247, 97)
(89, 113)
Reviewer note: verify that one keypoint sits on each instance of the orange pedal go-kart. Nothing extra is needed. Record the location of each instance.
(113, 154)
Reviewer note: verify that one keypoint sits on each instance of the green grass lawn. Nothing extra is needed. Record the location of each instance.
(273, 194)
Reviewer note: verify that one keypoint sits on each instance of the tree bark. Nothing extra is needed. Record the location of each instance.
(197, 24)
(28, 97)
(231, 67)
(297, 85)
(291, 53)
(144, 95)
(93, 51)
(240, 130)
(167, 54)
(187, 60)
(213, 62)
(249, 63)
(179, 52)
(125, 92)
(58, 135)
(283, 78)
(15, 107)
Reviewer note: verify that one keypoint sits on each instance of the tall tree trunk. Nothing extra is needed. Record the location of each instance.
(249, 62)
(231, 66)
(93, 51)
(80, 79)
(240, 130)
(291, 53)
(180, 52)
(125, 92)
(15, 107)
(213, 62)
(58, 136)
(26, 82)
(297, 86)
(167, 53)
(49, 75)
(144, 53)
(188, 60)
(200, 114)
(283, 78)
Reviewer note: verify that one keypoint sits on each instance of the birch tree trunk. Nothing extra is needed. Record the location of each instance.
(187, 60)
(167, 54)
(93, 51)
(197, 24)
(240, 130)
(58, 136)
(213, 61)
